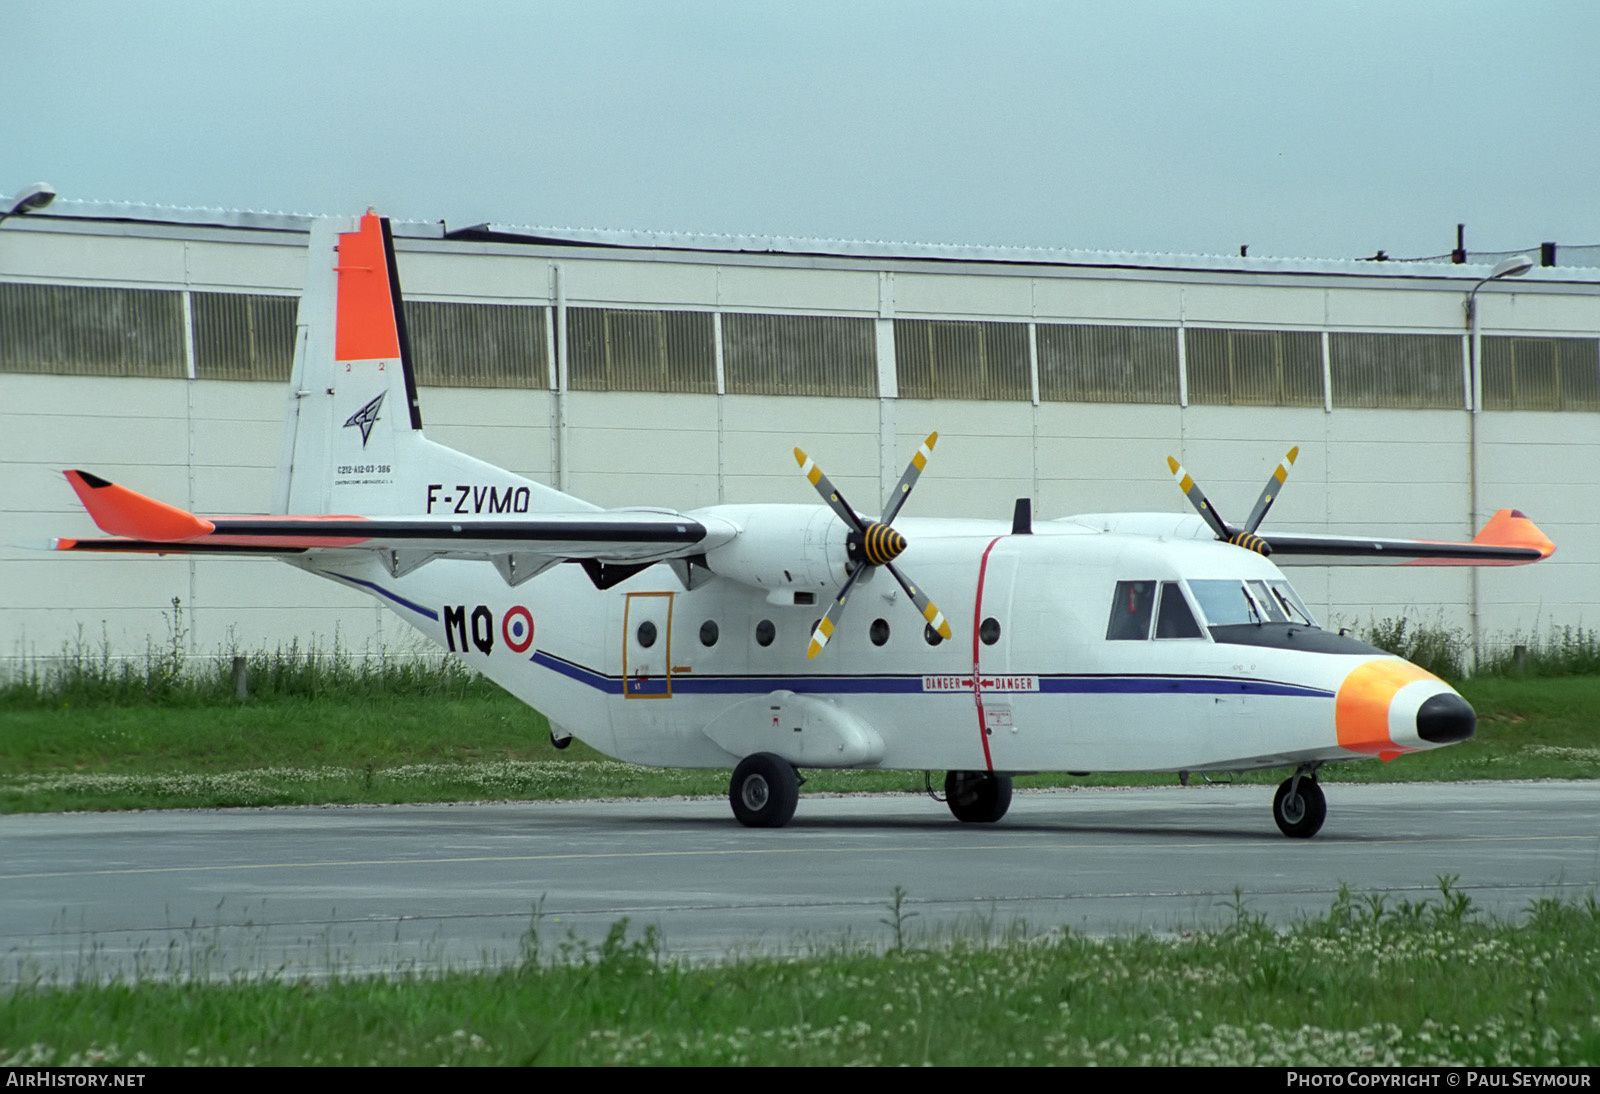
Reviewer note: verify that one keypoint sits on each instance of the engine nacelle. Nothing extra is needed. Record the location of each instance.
(781, 547)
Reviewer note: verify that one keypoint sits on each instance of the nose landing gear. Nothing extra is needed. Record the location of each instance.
(1300, 807)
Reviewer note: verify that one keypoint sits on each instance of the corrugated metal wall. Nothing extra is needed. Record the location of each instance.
(799, 355)
(1097, 364)
(617, 349)
(953, 359)
(79, 330)
(1406, 371)
(1541, 374)
(1254, 367)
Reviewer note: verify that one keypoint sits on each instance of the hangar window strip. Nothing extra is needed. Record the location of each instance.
(617, 349)
(1541, 373)
(799, 355)
(1253, 367)
(1099, 364)
(478, 345)
(79, 330)
(241, 336)
(1402, 371)
(952, 359)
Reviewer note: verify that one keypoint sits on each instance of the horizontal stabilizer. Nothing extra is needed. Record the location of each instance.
(143, 524)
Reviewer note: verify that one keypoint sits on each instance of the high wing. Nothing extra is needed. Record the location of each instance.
(526, 545)
(1508, 539)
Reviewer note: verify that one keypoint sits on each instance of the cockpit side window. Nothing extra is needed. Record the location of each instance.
(1268, 603)
(1131, 610)
(1173, 618)
(1292, 604)
(1224, 601)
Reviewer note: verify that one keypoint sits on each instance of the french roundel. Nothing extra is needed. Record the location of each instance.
(517, 629)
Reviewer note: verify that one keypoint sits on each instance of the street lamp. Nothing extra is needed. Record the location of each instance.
(1514, 266)
(30, 200)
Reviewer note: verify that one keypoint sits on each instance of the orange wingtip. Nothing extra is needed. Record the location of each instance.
(1510, 528)
(123, 512)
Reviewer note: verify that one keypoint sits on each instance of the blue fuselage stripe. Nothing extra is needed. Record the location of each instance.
(684, 683)
(387, 595)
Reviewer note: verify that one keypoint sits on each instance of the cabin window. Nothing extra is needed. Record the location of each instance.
(1131, 610)
(989, 631)
(1174, 619)
(879, 632)
(931, 636)
(765, 632)
(647, 634)
(709, 633)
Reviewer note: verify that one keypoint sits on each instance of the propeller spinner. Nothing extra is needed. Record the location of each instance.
(1240, 537)
(871, 543)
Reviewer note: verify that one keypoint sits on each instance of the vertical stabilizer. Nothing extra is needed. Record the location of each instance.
(352, 435)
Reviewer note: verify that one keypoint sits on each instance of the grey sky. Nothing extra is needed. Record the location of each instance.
(1302, 128)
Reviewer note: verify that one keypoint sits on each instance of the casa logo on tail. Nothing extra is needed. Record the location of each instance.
(365, 418)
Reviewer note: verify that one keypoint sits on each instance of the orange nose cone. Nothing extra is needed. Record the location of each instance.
(1361, 711)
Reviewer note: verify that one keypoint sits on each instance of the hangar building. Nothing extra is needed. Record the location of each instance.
(152, 346)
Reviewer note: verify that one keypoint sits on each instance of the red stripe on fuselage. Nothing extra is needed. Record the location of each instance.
(977, 684)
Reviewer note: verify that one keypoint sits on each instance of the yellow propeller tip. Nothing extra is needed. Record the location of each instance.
(945, 632)
(933, 439)
(1173, 464)
(1293, 452)
(799, 457)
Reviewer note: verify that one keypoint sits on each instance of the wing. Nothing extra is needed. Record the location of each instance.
(1509, 539)
(520, 545)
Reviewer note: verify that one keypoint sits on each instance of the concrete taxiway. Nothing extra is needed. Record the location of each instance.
(316, 890)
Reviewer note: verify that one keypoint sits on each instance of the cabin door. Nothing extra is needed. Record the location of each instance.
(647, 646)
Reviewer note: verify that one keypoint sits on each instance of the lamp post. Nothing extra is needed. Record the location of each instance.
(1514, 266)
(30, 200)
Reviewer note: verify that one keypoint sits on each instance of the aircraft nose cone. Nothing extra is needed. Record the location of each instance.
(1445, 719)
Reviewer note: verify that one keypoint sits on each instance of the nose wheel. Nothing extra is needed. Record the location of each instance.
(1300, 807)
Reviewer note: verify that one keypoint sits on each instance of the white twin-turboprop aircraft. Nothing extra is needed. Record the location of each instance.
(770, 638)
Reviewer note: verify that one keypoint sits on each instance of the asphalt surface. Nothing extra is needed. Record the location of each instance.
(313, 891)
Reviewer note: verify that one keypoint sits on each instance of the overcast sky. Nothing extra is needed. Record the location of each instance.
(1315, 128)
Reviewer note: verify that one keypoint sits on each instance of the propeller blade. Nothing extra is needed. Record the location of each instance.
(829, 492)
(1197, 498)
(909, 479)
(1270, 494)
(830, 619)
(929, 610)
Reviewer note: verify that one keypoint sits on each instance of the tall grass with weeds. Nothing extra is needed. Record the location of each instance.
(1443, 651)
(88, 674)
(1560, 651)
(1375, 982)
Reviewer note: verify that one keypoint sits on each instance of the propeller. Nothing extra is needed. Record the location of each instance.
(871, 543)
(1240, 537)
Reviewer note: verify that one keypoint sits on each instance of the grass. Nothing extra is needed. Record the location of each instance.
(1370, 983)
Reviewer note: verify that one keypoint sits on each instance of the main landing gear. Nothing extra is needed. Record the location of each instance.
(977, 797)
(764, 791)
(1299, 807)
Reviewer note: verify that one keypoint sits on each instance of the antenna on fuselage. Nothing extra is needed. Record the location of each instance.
(1022, 518)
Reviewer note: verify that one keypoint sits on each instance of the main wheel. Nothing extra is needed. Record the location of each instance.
(764, 791)
(1300, 810)
(977, 797)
